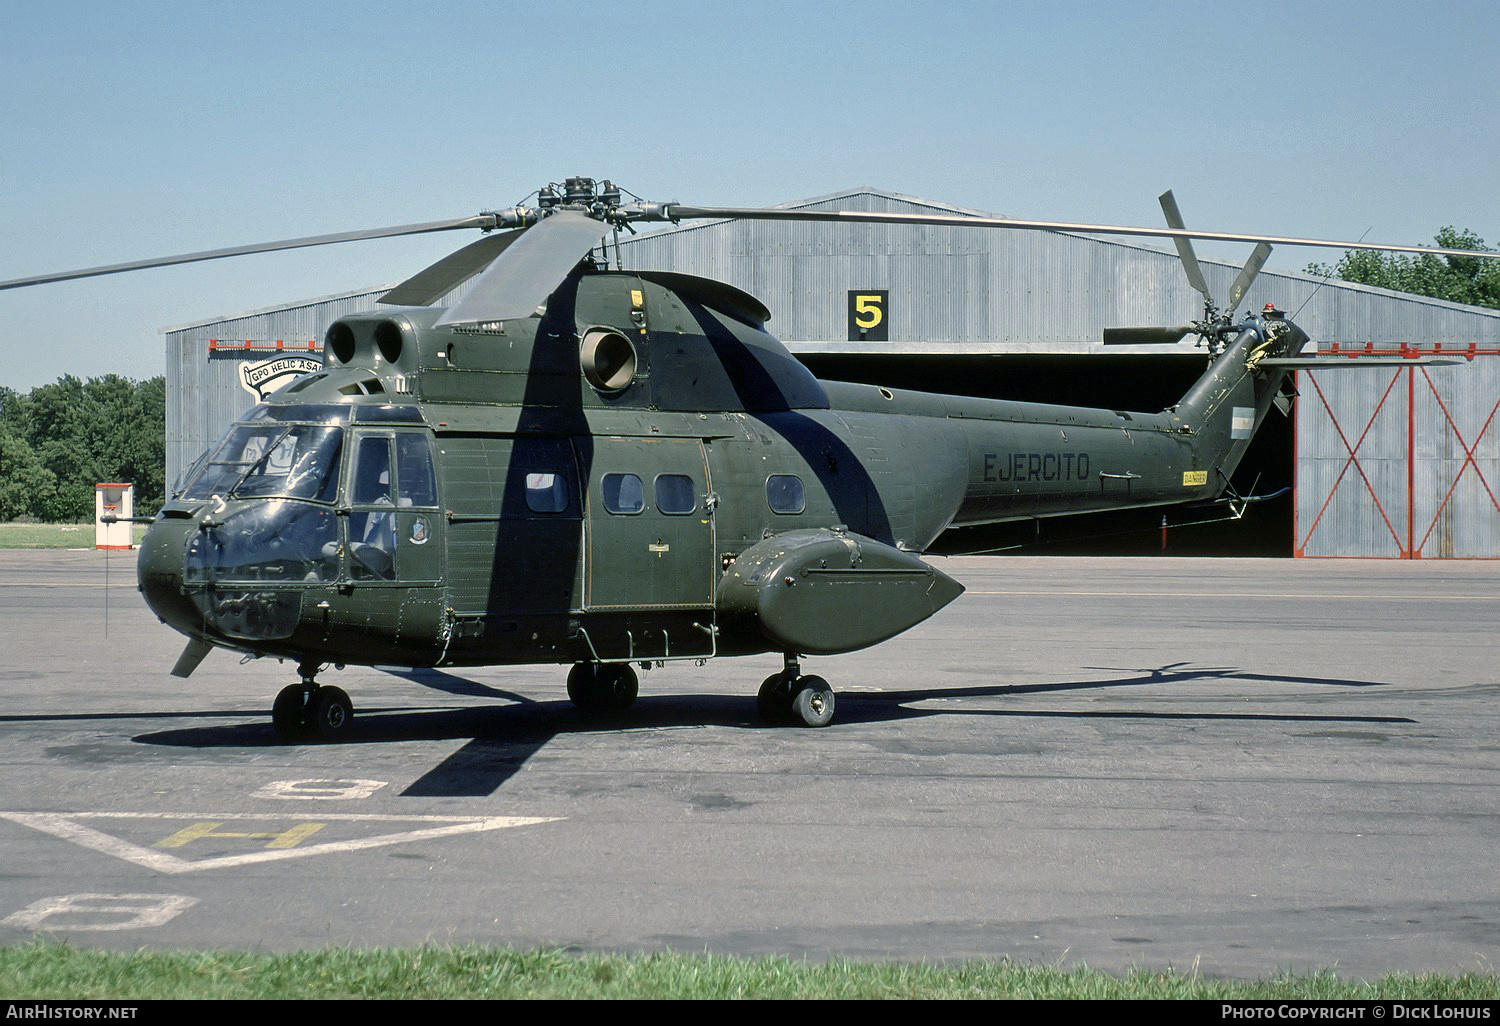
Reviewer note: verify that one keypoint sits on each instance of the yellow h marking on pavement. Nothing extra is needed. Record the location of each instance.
(279, 839)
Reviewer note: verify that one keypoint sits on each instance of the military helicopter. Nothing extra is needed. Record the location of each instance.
(609, 468)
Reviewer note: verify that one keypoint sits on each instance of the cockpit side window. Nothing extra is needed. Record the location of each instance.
(372, 528)
(189, 475)
(414, 471)
(239, 450)
(372, 472)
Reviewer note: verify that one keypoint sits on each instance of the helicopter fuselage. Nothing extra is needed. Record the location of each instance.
(639, 473)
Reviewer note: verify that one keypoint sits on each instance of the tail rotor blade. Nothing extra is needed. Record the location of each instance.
(1185, 251)
(1146, 336)
(1246, 276)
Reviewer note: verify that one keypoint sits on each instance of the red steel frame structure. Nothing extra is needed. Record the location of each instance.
(1404, 494)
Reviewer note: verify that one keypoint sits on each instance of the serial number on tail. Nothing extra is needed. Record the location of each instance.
(1036, 466)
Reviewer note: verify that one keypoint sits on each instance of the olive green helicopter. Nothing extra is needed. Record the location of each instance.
(583, 464)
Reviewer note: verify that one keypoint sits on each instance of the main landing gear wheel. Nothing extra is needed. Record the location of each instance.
(789, 698)
(289, 711)
(330, 714)
(812, 702)
(774, 701)
(603, 687)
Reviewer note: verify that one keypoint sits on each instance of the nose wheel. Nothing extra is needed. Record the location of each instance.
(311, 710)
(791, 697)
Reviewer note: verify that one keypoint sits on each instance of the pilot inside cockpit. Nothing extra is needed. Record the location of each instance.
(372, 529)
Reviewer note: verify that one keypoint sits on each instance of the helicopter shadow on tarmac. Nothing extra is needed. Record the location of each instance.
(501, 738)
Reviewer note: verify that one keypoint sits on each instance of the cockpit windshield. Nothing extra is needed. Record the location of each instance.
(296, 461)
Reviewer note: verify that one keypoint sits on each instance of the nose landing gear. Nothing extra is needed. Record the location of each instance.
(311, 710)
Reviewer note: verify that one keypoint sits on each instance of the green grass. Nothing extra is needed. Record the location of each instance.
(22, 535)
(42, 970)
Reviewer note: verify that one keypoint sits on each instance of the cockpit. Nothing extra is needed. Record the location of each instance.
(299, 497)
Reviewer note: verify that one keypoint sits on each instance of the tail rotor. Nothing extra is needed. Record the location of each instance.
(1217, 323)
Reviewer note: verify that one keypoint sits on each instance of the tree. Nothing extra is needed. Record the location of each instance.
(60, 428)
(142, 447)
(25, 485)
(62, 439)
(1457, 279)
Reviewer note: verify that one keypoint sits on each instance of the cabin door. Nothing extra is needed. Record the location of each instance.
(650, 525)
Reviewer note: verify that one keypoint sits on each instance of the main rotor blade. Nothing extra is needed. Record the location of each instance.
(1146, 336)
(1185, 247)
(442, 277)
(485, 221)
(1246, 276)
(677, 212)
(529, 271)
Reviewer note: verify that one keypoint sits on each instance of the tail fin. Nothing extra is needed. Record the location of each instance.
(1228, 404)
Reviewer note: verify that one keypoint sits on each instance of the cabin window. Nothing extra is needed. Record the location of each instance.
(546, 491)
(784, 494)
(622, 493)
(676, 494)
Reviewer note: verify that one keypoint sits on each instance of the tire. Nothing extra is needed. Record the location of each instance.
(586, 686)
(289, 712)
(603, 687)
(330, 714)
(581, 684)
(774, 701)
(812, 705)
(621, 686)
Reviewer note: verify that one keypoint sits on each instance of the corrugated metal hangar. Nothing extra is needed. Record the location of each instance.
(1391, 462)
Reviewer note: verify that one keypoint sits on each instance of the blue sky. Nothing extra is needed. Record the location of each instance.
(130, 130)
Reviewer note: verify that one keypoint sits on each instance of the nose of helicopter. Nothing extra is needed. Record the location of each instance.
(159, 573)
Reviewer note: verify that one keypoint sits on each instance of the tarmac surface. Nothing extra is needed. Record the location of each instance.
(1233, 766)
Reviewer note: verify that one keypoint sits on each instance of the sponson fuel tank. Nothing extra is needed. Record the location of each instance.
(827, 590)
